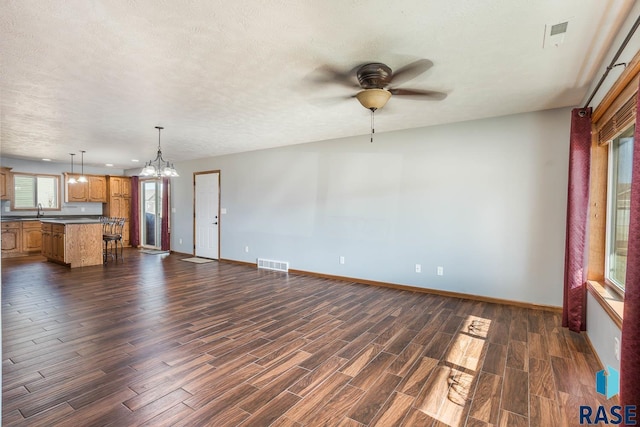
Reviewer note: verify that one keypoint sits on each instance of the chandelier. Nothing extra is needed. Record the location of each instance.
(159, 167)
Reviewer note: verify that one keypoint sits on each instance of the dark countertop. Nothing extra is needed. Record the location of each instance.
(69, 219)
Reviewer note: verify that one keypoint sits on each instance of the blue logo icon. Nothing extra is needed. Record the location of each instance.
(608, 382)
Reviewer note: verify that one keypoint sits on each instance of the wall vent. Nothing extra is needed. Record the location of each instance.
(269, 264)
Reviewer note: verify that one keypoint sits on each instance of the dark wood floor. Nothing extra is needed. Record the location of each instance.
(157, 341)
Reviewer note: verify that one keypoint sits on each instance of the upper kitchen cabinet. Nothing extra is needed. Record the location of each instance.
(95, 190)
(119, 203)
(119, 186)
(5, 183)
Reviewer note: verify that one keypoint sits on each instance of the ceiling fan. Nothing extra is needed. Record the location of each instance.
(374, 79)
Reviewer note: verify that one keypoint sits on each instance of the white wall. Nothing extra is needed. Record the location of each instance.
(485, 199)
(54, 168)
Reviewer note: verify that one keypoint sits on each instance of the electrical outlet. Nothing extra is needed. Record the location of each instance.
(440, 271)
(341, 260)
(81, 209)
(616, 347)
(180, 241)
(418, 268)
(246, 249)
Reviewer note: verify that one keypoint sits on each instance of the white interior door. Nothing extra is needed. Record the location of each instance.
(207, 190)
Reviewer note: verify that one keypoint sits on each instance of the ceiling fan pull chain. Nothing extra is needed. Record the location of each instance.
(373, 110)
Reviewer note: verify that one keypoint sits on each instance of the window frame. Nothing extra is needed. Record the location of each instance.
(611, 211)
(614, 114)
(35, 177)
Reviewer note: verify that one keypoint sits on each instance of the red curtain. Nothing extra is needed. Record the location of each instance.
(134, 217)
(165, 242)
(630, 348)
(576, 249)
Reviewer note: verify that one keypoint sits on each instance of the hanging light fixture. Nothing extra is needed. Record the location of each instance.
(373, 99)
(159, 167)
(72, 179)
(82, 177)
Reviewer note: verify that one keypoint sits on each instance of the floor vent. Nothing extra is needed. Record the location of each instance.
(269, 264)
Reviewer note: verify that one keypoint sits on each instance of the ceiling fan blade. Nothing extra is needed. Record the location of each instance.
(331, 100)
(427, 95)
(330, 74)
(411, 71)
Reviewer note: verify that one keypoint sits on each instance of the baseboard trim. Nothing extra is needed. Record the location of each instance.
(409, 288)
(593, 349)
(233, 261)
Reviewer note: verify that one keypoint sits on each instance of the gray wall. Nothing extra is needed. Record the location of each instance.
(602, 331)
(484, 199)
(54, 168)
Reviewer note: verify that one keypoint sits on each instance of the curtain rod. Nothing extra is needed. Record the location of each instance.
(613, 61)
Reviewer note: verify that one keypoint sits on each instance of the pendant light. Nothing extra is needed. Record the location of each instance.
(72, 180)
(159, 167)
(82, 177)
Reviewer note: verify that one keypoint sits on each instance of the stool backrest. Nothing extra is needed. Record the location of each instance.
(118, 225)
(112, 225)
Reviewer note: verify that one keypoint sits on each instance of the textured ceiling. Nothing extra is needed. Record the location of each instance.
(231, 76)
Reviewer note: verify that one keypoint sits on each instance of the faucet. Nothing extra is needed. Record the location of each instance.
(40, 211)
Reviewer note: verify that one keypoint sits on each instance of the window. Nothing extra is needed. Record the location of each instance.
(29, 191)
(619, 191)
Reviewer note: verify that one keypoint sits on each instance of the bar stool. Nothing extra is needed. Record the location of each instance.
(112, 235)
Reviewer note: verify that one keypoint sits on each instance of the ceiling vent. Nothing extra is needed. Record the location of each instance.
(554, 34)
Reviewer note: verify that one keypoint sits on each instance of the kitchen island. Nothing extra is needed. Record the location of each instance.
(72, 242)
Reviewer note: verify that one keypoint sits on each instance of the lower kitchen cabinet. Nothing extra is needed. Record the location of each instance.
(73, 244)
(31, 236)
(11, 238)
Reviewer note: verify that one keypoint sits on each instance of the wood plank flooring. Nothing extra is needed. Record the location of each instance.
(155, 341)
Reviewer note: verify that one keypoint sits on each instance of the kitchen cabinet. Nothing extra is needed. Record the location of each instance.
(47, 240)
(119, 203)
(5, 184)
(58, 243)
(53, 242)
(94, 190)
(77, 192)
(97, 189)
(11, 238)
(31, 236)
(76, 243)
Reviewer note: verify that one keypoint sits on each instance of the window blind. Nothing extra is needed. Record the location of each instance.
(621, 120)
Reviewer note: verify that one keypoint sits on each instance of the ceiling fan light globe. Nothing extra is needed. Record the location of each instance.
(373, 99)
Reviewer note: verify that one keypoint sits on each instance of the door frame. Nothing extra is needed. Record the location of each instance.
(141, 213)
(194, 207)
